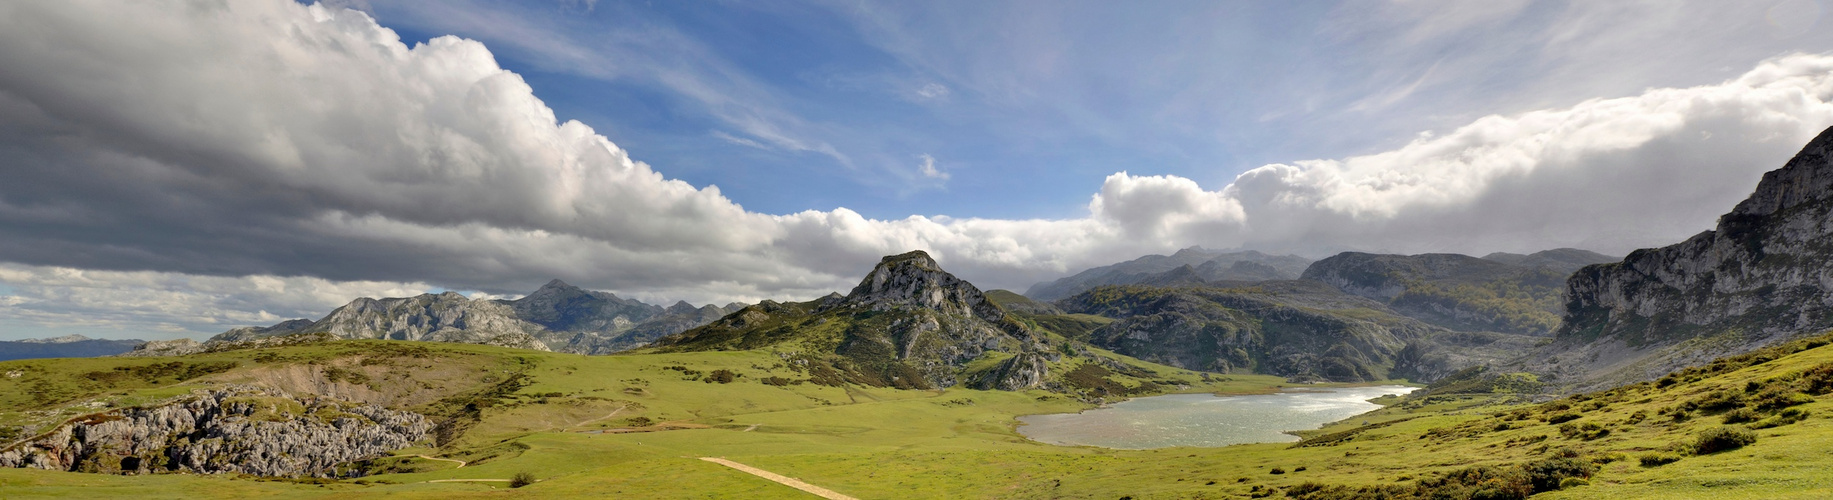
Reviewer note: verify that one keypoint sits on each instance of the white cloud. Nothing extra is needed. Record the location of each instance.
(933, 91)
(153, 305)
(928, 168)
(264, 138)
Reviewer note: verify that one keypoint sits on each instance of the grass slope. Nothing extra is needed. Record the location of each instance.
(566, 422)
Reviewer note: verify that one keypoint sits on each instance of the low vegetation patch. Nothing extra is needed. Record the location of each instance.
(1725, 438)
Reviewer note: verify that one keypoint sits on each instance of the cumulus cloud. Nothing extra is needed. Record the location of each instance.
(165, 147)
(155, 305)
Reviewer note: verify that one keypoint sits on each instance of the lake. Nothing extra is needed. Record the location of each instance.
(1204, 419)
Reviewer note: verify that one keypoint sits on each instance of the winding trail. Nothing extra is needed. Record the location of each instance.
(781, 479)
(469, 481)
(461, 463)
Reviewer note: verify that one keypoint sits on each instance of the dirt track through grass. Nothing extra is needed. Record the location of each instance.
(781, 479)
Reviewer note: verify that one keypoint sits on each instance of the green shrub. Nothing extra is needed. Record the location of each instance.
(521, 479)
(1560, 418)
(1741, 415)
(1726, 438)
(1657, 458)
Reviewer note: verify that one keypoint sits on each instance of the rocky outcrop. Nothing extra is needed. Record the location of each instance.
(1206, 265)
(235, 430)
(1763, 275)
(1025, 370)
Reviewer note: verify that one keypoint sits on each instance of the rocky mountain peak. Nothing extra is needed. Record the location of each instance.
(681, 307)
(1808, 177)
(915, 280)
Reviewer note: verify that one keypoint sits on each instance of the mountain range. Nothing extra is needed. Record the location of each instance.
(68, 346)
(1577, 317)
(557, 317)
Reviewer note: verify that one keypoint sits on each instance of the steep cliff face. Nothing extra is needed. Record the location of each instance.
(1458, 292)
(235, 430)
(1764, 274)
(908, 324)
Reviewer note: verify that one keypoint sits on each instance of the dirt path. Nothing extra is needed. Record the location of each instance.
(469, 481)
(781, 479)
(461, 463)
(607, 415)
(753, 427)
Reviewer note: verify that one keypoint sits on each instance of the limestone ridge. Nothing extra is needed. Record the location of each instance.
(1763, 275)
(235, 430)
(558, 317)
(443, 317)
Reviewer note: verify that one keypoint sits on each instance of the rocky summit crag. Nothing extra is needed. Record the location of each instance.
(558, 317)
(908, 324)
(1763, 275)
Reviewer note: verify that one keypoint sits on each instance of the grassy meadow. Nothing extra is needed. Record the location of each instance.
(633, 426)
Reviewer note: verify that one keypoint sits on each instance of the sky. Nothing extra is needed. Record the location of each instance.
(178, 168)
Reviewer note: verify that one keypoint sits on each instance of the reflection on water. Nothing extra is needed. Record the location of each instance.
(1203, 419)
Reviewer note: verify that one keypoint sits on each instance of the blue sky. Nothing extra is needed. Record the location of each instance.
(1027, 106)
(177, 170)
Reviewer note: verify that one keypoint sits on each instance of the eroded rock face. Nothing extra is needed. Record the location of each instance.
(236, 430)
(1765, 274)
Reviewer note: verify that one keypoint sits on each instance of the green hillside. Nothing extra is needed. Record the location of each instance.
(634, 426)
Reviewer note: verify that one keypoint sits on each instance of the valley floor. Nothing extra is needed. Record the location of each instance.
(871, 443)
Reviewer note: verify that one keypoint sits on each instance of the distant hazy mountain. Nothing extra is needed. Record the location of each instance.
(1565, 260)
(558, 317)
(1205, 265)
(1764, 275)
(1301, 329)
(1509, 293)
(68, 346)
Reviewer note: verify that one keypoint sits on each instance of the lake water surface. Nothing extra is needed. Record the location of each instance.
(1204, 419)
